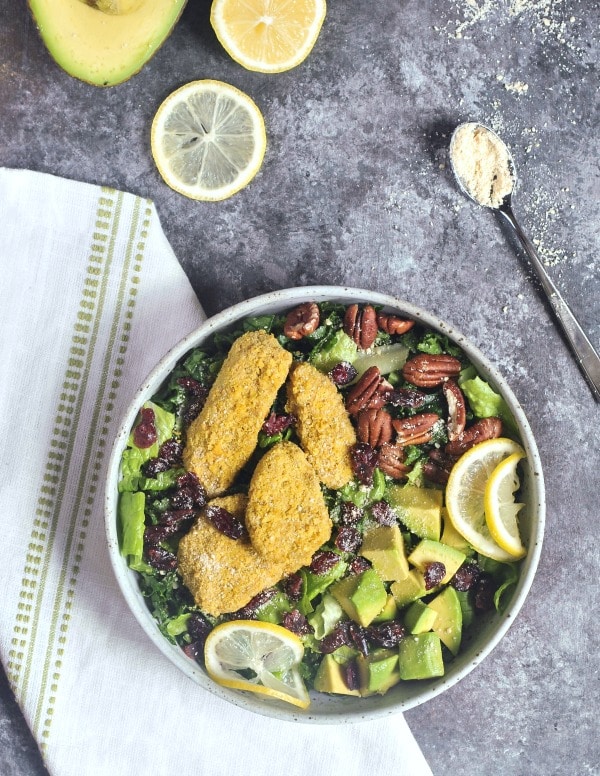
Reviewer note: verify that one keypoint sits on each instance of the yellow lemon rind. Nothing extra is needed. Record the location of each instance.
(503, 538)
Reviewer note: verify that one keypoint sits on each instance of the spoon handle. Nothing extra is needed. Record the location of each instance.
(587, 358)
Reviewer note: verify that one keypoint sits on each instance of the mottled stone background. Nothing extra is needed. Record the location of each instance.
(355, 189)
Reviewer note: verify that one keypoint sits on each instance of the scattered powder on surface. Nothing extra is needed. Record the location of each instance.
(481, 161)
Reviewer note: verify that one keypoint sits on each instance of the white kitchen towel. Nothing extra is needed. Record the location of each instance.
(91, 297)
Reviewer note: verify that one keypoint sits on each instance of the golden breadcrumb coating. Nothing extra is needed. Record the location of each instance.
(221, 440)
(223, 574)
(286, 516)
(324, 427)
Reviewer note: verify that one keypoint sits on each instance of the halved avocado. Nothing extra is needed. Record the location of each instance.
(107, 41)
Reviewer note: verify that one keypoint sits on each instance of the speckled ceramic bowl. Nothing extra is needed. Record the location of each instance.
(477, 645)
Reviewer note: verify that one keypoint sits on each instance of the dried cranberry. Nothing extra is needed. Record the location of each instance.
(198, 627)
(161, 559)
(296, 622)
(383, 514)
(182, 500)
(154, 466)
(195, 650)
(323, 561)
(176, 517)
(465, 577)
(387, 634)
(154, 534)
(433, 574)
(358, 635)
(277, 424)
(171, 451)
(350, 513)
(351, 675)
(484, 593)
(225, 522)
(192, 386)
(192, 410)
(339, 637)
(348, 539)
(342, 373)
(189, 484)
(249, 611)
(292, 586)
(358, 565)
(145, 434)
(364, 461)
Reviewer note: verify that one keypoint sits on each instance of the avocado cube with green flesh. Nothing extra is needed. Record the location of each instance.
(451, 537)
(410, 589)
(330, 678)
(378, 671)
(448, 624)
(362, 596)
(419, 618)
(428, 551)
(389, 611)
(384, 547)
(419, 509)
(420, 656)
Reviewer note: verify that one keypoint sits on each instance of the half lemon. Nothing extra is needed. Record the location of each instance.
(208, 140)
(501, 509)
(258, 657)
(268, 36)
(465, 494)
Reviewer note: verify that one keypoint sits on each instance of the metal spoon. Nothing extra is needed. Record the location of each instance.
(583, 350)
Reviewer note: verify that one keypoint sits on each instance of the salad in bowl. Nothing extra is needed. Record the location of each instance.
(323, 503)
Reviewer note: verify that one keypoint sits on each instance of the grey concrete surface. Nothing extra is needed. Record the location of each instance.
(355, 189)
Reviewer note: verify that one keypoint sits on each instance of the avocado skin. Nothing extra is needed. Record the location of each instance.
(104, 49)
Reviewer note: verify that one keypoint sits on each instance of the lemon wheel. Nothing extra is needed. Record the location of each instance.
(465, 494)
(258, 657)
(501, 509)
(268, 36)
(208, 140)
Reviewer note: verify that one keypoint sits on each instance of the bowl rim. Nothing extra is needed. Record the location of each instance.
(359, 709)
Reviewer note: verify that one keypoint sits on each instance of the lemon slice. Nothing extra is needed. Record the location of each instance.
(268, 36)
(465, 494)
(208, 140)
(267, 654)
(501, 510)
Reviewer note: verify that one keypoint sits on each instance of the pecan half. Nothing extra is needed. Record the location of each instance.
(480, 431)
(415, 430)
(457, 409)
(393, 324)
(363, 391)
(391, 461)
(301, 321)
(360, 324)
(374, 426)
(430, 370)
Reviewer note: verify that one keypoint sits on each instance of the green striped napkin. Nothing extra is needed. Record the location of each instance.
(91, 298)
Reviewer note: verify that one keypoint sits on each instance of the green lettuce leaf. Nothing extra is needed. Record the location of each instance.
(132, 523)
(485, 402)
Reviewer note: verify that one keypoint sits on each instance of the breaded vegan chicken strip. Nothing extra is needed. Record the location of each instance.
(223, 574)
(221, 440)
(286, 516)
(324, 427)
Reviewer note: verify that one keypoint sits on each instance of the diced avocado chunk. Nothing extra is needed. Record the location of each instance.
(419, 509)
(419, 618)
(384, 547)
(448, 624)
(378, 671)
(330, 678)
(389, 611)
(410, 589)
(428, 551)
(451, 537)
(362, 596)
(420, 656)
(339, 348)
